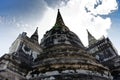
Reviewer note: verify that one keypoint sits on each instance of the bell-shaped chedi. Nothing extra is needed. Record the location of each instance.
(65, 58)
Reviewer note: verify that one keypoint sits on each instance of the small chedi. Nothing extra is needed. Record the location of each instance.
(60, 56)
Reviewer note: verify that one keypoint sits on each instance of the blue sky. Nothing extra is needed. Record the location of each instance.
(17, 16)
(114, 32)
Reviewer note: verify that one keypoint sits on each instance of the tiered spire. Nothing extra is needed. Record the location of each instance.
(35, 35)
(91, 39)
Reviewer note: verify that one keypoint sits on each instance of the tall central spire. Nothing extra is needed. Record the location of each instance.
(60, 23)
(59, 20)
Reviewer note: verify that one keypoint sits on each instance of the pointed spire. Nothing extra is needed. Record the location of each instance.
(59, 20)
(91, 39)
(35, 35)
(60, 23)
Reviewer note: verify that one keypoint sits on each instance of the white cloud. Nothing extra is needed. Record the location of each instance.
(77, 19)
(0, 19)
(7, 20)
(118, 51)
(102, 7)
